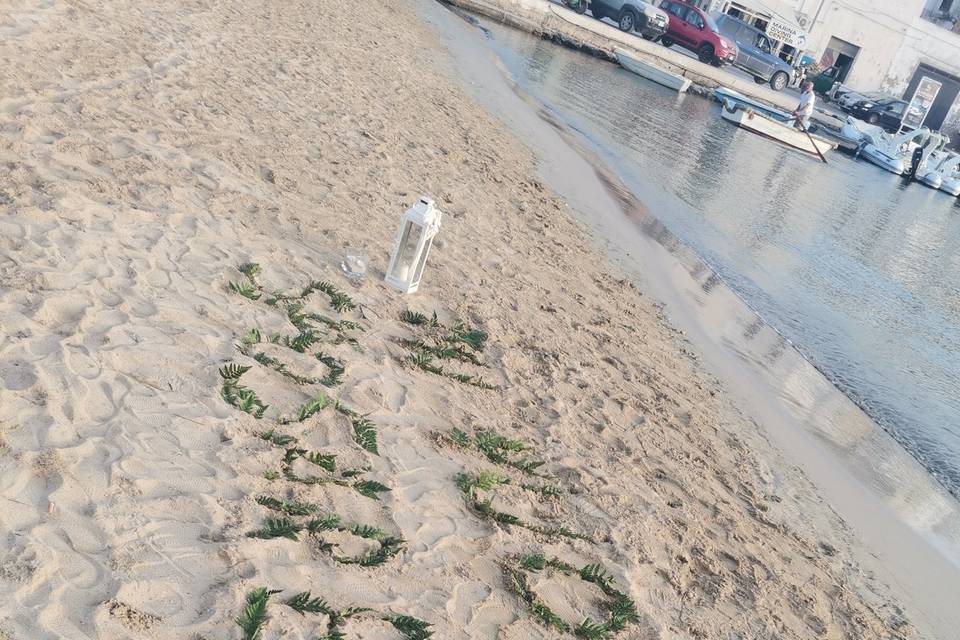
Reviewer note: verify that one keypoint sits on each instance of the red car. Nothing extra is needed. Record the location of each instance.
(694, 29)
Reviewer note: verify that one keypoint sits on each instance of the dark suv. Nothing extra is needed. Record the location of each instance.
(632, 15)
(754, 53)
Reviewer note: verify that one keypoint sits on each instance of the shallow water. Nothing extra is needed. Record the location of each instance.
(859, 269)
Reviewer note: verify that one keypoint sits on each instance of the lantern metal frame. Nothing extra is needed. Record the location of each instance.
(408, 259)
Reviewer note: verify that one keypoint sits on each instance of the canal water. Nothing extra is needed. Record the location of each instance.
(857, 268)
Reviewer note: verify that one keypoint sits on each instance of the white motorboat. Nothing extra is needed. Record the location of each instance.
(651, 71)
(944, 175)
(934, 152)
(782, 132)
(890, 152)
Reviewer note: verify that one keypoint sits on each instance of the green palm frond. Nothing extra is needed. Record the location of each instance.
(342, 302)
(389, 547)
(596, 574)
(459, 437)
(366, 531)
(290, 475)
(303, 340)
(365, 433)
(370, 488)
(333, 634)
(473, 338)
(546, 490)
(336, 370)
(527, 466)
(328, 522)
(271, 474)
(277, 528)
(277, 439)
(411, 628)
(242, 398)
(350, 612)
(289, 508)
(245, 289)
(254, 615)
(590, 630)
(250, 337)
(533, 561)
(622, 610)
(247, 401)
(292, 454)
(327, 461)
(424, 361)
(311, 407)
(281, 368)
(303, 604)
(297, 317)
(250, 269)
(232, 371)
(413, 317)
(485, 480)
(546, 616)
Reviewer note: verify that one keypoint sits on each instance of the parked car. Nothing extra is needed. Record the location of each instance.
(846, 100)
(754, 52)
(695, 30)
(885, 112)
(632, 15)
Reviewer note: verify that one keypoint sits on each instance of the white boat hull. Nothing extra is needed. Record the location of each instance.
(893, 164)
(951, 186)
(723, 95)
(651, 71)
(931, 179)
(778, 131)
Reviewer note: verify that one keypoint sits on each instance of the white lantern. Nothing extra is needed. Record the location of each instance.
(420, 224)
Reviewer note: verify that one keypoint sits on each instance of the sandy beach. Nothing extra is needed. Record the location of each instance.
(178, 184)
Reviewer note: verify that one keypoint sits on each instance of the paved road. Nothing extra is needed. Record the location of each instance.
(743, 75)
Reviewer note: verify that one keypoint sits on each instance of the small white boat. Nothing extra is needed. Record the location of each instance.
(781, 132)
(887, 151)
(945, 175)
(723, 95)
(934, 152)
(651, 71)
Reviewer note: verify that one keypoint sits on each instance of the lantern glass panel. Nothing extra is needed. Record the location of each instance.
(407, 251)
(421, 262)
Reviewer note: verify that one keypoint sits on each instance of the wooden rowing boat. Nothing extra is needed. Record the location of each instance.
(651, 71)
(784, 133)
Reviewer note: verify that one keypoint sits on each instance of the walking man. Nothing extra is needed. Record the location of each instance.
(804, 110)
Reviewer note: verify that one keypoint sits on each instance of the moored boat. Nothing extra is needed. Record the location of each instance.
(723, 95)
(887, 151)
(651, 71)
(776, 130)
(945, 175)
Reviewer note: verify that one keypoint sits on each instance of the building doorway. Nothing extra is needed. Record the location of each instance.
(840, 54)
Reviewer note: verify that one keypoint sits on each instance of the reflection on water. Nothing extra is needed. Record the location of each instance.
(858, 269)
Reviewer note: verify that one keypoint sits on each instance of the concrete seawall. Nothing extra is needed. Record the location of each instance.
(549, 20)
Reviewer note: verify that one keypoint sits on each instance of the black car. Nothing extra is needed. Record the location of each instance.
(885, 112)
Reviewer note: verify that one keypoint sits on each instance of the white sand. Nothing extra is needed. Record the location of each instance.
(146, 149)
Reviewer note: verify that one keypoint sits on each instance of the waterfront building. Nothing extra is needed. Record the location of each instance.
(909, 48)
